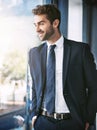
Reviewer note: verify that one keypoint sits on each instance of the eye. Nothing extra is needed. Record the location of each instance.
(41, 23)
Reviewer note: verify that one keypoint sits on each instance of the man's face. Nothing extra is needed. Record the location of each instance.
(44, 28)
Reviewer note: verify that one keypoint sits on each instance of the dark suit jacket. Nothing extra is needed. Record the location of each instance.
(79, 79)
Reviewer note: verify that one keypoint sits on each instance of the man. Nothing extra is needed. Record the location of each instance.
(64, 98)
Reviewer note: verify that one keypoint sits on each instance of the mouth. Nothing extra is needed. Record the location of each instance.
(40, 34)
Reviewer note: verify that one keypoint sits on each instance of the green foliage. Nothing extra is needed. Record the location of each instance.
(14, 66)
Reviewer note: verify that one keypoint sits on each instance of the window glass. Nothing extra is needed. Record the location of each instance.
(17, 35)
(75, 20)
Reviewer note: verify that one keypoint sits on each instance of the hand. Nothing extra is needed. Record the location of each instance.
(33, 120)
(86, 126)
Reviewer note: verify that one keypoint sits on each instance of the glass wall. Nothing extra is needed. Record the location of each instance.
(17, 35)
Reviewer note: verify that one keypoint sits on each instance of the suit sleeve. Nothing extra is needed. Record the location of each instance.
(90, 75)
(32, 85)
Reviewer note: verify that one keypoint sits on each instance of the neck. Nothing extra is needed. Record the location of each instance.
(54, 37)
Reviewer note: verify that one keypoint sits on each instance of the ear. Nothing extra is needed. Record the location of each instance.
(56, 23)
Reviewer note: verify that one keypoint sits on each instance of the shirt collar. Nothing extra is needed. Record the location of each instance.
(58, 43)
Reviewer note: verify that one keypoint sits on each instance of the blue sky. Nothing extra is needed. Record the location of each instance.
(17, 7)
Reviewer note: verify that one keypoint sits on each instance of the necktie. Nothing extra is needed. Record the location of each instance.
(50, 81)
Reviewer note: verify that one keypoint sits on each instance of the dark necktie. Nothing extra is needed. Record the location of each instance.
(50, 81)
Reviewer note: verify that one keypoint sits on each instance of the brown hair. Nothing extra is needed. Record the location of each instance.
(50, 10)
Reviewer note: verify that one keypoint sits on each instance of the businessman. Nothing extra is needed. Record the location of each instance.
(64, 77)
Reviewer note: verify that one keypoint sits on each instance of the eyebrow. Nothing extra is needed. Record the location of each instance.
(39, 22)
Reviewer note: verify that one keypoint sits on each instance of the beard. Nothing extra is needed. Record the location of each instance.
(46, 35)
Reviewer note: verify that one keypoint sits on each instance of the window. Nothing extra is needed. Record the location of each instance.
(17, 35)
(75, 20)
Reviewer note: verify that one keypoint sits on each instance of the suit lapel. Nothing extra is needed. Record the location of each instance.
(66, 57)
(43, 56)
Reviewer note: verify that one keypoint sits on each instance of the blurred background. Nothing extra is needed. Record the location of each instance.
(17, 36)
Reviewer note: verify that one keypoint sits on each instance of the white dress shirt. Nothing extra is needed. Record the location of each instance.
(60, 104)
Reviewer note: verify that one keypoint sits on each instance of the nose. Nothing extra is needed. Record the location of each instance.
(37, 28)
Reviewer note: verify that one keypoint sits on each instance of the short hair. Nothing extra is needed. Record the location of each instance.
(50, 10)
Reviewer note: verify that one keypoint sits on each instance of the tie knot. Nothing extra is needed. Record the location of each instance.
(52, 47)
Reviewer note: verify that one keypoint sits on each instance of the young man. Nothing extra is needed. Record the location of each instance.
(64, 78)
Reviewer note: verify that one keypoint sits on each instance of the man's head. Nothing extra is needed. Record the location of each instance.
(50, 10)
(46, 21)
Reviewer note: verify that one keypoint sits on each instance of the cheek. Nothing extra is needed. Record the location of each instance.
(48, 27)
(43, 28)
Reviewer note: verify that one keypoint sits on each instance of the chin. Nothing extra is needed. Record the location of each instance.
(42, 39)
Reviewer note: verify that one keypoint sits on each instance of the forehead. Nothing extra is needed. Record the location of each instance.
(39, 18)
